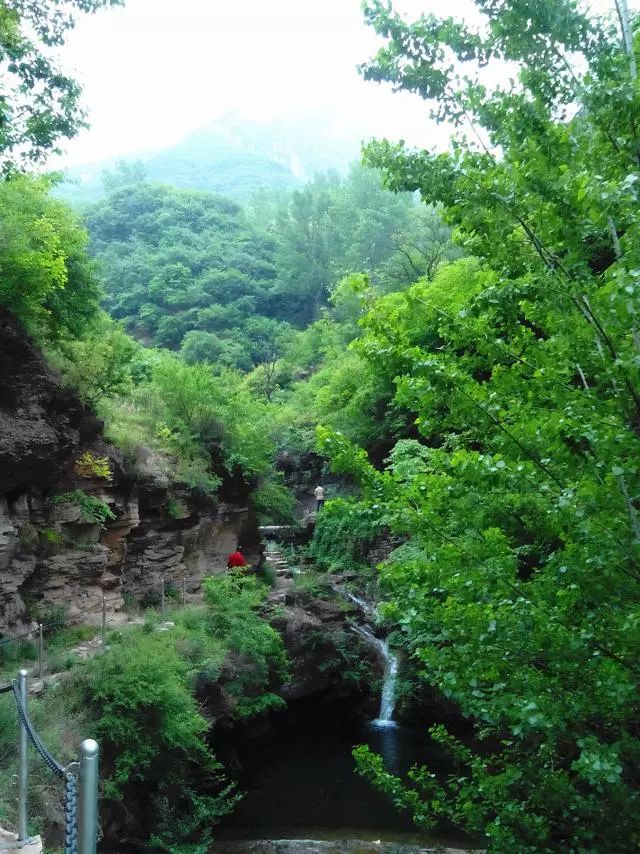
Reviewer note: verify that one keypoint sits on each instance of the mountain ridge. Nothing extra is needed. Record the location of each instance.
(232, 156)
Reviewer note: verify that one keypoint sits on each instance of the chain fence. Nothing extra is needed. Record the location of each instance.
(80, 809)
(80, 788)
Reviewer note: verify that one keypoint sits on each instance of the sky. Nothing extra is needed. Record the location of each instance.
(155, 70)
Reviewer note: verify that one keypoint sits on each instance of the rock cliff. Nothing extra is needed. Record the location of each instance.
(56, 552)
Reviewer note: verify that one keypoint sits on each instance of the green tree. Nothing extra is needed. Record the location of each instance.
(39, 104)
(334, 227)
(517, 593)
(45, 275)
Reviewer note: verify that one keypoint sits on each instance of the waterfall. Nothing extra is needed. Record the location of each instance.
(388, 698)
(367, 608)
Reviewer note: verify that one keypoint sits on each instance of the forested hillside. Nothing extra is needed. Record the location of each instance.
(179, 265)
(193, 272)
(451, 340)
(234, 157)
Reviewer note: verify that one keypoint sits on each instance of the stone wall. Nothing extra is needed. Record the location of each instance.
(50, 555)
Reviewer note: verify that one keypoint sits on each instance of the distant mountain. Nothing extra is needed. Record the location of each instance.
(233, 156)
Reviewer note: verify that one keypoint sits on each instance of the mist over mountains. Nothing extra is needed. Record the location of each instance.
(234, 156)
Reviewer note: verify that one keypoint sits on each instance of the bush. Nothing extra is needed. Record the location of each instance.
(88, 465)
(153, 737)
(273, 503)
(14, 654)
(342, 533)
(233, 600)
(92, 510)
(208, 426)
(150, 599)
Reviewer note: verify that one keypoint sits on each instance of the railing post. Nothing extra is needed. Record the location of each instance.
(162, 596)
(23, 770)
(88, 798)
(184, 590)
(104, 621)
(40, 649)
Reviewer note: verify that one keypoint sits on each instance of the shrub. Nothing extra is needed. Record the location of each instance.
(54, 619)
(342, 532)
(91, 508)
(87, 465)
(14, 654)
(150, 599)
(273, 502)
(233, 601)
(152, 735)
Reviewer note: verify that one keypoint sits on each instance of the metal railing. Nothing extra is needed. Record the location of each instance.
(81, 788)
(80, 809)
(170, 594)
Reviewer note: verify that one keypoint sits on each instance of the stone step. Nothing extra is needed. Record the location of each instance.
(9, 842)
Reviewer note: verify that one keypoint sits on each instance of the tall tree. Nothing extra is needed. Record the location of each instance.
(518, 593)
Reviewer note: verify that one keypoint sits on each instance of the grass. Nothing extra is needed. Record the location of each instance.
(71, 635)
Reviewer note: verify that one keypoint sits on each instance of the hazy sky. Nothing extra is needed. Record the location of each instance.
(157, 69)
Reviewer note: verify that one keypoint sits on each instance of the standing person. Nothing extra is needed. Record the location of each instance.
(236, 559)
(319, 494)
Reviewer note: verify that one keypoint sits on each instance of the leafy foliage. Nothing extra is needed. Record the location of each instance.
(103, 362)
(343, 531)
(234, 600)
(40, 104)
(46, 278)
(92, 509)
(152, 737)
(519, 594)
(273, 502)
(88, 465)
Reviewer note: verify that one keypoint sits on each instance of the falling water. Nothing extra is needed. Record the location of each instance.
(367, 608)
(388, 698)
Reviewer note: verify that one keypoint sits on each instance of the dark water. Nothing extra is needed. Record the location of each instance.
(300, 781)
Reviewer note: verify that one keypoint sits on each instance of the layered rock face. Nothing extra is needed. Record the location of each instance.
(53, 553)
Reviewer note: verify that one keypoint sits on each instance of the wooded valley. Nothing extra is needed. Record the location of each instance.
(451, 342)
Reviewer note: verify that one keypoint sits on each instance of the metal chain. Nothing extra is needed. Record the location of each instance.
(6, 688)
(70, 813)
(70, 780)
(48, 759)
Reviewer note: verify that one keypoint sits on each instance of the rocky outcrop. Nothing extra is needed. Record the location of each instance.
(42, 425)
(326, 656)
(56, 553)
(327, 660)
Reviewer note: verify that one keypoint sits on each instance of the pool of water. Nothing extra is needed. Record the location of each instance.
(300, 780)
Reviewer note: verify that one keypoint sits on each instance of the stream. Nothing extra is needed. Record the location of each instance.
(389, 675)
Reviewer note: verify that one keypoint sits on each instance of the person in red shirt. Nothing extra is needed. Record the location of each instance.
(236, 559)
